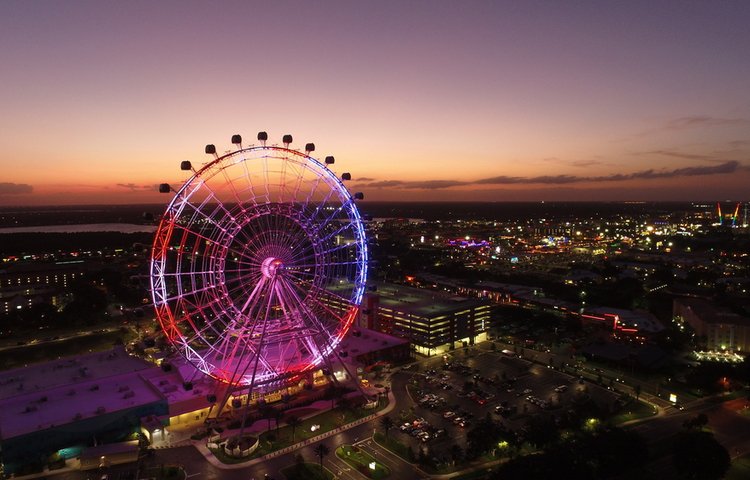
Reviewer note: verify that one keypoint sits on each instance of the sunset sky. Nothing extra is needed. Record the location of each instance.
(433, 100)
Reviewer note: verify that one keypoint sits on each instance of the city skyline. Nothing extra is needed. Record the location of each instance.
(423, 101)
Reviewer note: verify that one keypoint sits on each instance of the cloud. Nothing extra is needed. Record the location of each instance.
(7, 188)
(687, 156)
(693, 121)
(419, 184)
(723, 168)
(383, 184)
(435, 184)
(573, 163)
(690, 121)
(365, 179)
(137, 188)
(543, 179)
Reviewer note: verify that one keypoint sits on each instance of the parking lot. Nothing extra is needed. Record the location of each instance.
(452, 392)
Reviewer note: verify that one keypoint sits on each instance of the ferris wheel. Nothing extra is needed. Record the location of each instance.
(259, 263)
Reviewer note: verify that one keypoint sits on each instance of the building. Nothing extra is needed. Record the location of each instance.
(722, 331)
(24, 285)
(364, 348)
(620, 320)
(433, 321)
(72, 403)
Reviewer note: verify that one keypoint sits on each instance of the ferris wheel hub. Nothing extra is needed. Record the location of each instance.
(271, 267)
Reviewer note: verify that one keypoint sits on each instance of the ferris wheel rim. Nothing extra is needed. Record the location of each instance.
(348, 207)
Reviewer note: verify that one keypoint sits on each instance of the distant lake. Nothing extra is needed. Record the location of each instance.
(86, 227)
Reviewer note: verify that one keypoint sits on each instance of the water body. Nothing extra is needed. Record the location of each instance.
(83, 228)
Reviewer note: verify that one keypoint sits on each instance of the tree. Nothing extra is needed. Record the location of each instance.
(387, 424)
(541, 430)
(697, 422)
(321, 451)
(482, 437)
(697, 455)
(266, 411)
(457, 453)
(277, 416)
(294, 422)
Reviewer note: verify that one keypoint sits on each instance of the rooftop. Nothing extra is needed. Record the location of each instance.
(711, 313)
(368, 341)
(424, 303)
(68, 371)
(62, 404)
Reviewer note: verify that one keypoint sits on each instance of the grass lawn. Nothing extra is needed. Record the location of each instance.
(633, 411)
(326, 422)
(474, 475)
(740, 468)
(395, 446)
(166, 472)
(361, 461)
(306, 471)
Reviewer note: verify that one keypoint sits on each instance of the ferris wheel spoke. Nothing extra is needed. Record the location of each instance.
(315, 289)
(184, 201)
(183, 295)
(309, 322)
(259, 346)
(336, 232)
(207, 239)
(339, 248)
(324, 334)
(230, 182)
(197, 272)
(328, 264)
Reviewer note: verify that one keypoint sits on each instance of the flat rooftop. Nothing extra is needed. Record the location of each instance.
(368, 341)
(170, 386)
(63, 404)
(68, 371)
(710, 313)
(423, 303)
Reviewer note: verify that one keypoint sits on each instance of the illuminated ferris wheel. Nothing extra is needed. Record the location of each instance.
(259, 263)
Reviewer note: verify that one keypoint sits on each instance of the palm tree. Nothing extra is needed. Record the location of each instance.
(266, 412)
(387, 424)
(277, 416)
(293, 422)
(456, 453)
(386, 391)
(321, 451)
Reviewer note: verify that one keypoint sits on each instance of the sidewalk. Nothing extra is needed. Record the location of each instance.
(71, 465)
